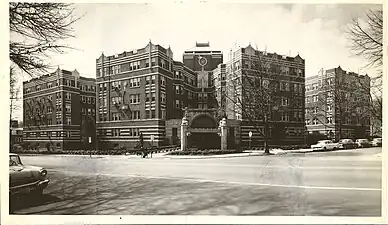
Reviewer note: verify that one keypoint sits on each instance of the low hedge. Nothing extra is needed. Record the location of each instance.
(206, 152)
(94, 152)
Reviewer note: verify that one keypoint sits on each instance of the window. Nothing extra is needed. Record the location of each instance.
(163, 112)
(68, 108)
(93, 100)
(177, 105)
(89, 112)
(135, 115)
(147, 63)
(115, 132)
(315, 110)
(329, 119)
(115, 116)
(329, 108)
(284, 116)
(148, 78)
(153, 62)
(315, 121)
(68, 96)
(153, 78)
(153, 96)
(307, 122)
(177, 90)
(50, 98)
(89, 100)
(49, 109)
(134, 82)
(163, 81)
(153, 114)
(284, 101)
(49, 85)
(83, 111)
(134, 99)
(315, 98)
(68, 120)
(163, 97)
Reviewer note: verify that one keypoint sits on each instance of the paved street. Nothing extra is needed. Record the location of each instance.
(341, 183)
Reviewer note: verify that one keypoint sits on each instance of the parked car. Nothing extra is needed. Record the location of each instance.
(363, 143)
(25, 179)
(326, 145)
(347, 144)
(377, 142)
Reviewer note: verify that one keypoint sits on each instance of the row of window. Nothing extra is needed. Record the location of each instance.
(135, 65)
(133, 115)
(50, 134)
(116, 132)
(62, 81)
(89, 100)
(317, 85)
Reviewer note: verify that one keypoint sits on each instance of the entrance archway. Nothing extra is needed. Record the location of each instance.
(204, 133)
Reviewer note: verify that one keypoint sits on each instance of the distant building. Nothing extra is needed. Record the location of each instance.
(16, 134)
(286, 74)
(337, 104)
(59, 111)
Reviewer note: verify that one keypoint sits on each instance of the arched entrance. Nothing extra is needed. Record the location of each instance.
(204, 133)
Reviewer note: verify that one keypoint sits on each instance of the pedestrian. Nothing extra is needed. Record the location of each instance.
(151, 154)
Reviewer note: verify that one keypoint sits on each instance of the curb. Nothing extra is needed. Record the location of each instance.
(214, 156)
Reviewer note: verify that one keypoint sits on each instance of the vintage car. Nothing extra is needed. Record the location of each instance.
(363, 143)
(25, 179)
(326, 145)
(377, 142)
(348, 144)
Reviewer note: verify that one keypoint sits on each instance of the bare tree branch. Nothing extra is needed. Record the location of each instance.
(43, 25)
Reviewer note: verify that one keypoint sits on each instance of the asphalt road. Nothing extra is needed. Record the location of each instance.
(341, 183)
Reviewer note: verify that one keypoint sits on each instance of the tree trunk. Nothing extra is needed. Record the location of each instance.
(266, 131)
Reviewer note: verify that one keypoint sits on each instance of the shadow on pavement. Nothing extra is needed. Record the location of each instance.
(26, 201)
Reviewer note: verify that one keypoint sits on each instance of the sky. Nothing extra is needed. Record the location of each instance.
(315, 32)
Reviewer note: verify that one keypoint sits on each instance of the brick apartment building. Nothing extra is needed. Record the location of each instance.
(145, 91)
(287, 75)
(59, 111)
(337, 104)
(142, 90)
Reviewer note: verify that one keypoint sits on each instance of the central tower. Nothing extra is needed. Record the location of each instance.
(202, 60)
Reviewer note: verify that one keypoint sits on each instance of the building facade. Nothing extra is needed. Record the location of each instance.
(337, 104)
(59, 111)
(282, 79)
(146, 92)
(16, 134)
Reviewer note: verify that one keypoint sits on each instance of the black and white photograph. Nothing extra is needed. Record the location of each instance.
(193, 108)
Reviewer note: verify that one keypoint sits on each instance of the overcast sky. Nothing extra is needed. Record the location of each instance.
(316, 32)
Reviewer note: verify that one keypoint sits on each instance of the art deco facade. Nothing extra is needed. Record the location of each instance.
(337, 104)
(59, 111)
(286, 76)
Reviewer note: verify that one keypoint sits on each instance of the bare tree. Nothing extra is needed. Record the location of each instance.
(13, 93)
(366, 37)
(339, 103)
(366, 40)
(253, 95)
(37, 30)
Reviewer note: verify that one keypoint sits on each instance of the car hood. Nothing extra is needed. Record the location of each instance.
(19, 175)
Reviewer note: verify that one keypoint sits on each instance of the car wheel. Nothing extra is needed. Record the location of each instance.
(324, 148)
